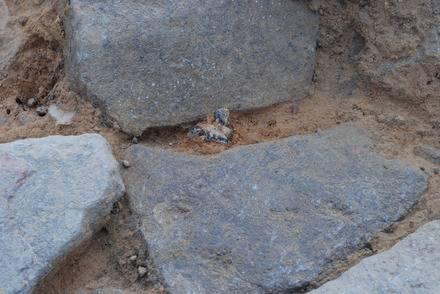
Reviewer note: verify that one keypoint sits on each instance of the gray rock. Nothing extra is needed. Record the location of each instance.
(42, 110)
(265, 217)
(411, 266)
(429, 153)
(54, 192)
(10, 38)
(222, 116)
(149, 63)
(215, 132)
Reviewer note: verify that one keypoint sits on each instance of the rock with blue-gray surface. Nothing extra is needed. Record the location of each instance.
(411, 266)
(156, 63)
(428, 153)
(54, 193)
(10, 38)
(269, 217)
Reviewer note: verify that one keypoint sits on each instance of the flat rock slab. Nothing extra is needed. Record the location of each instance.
(156, 63)
(265, 217)
(411, 266)
(53, 193)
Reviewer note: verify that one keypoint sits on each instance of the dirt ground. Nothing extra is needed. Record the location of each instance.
(355, 36)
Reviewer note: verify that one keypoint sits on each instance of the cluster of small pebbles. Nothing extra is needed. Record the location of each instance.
(217, 131)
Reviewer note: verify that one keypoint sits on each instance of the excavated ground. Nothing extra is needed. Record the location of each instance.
(342, 93)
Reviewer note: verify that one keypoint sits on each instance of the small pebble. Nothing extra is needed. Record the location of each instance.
(135, 140)
(133, 258)
(116, 126)
(211, 133)
(125, 163)
(222, 116)
(50, 96)
(22, 20)
(31, 102)
(142, 271)
(60, 116)
(42, 110)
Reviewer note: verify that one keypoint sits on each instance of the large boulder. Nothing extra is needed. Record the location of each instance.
(265, 217)
(411, 266)
(54, 192)
(154, 63)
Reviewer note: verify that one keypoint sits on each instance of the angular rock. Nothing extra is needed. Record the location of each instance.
(54, 192)
(429, 153)
(265, 217)
(150, 63)
(10, 39)
(411, 266)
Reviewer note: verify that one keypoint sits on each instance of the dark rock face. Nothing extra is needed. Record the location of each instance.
(154, 63)
(54, 192)
(411, 266)
(265, 217)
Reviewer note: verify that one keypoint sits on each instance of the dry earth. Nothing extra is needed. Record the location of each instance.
(401, 111)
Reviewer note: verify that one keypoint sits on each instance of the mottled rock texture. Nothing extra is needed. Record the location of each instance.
(155, 63)
(429, 153)
(411, 266)
(10, 39)
(54, 192)
(402, 48)
(265, 217)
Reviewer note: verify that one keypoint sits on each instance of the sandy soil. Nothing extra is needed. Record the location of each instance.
(345, 90)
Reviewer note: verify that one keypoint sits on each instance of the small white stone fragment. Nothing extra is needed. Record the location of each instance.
(142, 271)
(31, 102)
(41, 111)
(61, 117)
(211, 132)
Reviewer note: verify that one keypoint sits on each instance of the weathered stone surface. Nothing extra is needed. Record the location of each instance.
(265, 217)
(403, 62)
(10, 39)
(150, 63)
(411, 266)
(53, 193)
(429, 153)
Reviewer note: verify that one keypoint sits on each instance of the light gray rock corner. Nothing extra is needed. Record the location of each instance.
(150, 64)
(410, 267)
(265, 217)
(54, 192)
(11, 39)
